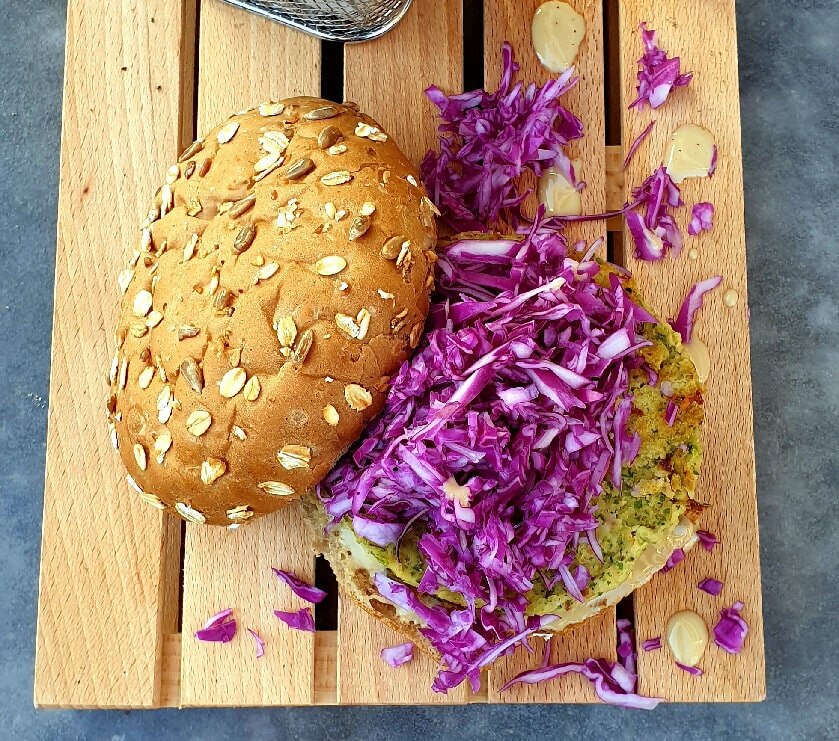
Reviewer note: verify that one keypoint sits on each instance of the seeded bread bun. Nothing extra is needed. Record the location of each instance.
(282, 276)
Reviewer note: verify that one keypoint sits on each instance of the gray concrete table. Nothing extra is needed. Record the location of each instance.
(789, 70)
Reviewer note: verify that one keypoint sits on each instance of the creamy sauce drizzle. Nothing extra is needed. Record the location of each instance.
(687, 637)
(730, 298)
(697, 350)
(559, 196)
(690, 153)
(557, 31)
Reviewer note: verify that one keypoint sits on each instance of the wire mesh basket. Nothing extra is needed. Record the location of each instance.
(333, 20)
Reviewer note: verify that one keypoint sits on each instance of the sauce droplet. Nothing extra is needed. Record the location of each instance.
(697, 350)
(693, 254)
(690, 153)
(687, 637)
(557, 31)
(729, 298)
(559, 196)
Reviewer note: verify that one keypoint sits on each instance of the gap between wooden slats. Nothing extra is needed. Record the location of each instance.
(510, 20)
(93, 552)
(243, 60)
(387, 78)
(707, 46)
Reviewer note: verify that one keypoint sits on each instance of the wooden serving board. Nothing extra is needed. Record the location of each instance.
(115, 616)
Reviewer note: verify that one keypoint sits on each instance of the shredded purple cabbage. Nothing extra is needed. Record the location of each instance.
(395, 656)
(731, 630)
(694, 670)
(707, 540)
(639, 140)
(652, 644)
(299, 620)
(711, 586)
(656, 232)
(614, 682)
(220, 628)
(496, 439)
(657, 74)
(675, 558)
(299, 587)
(499, 434)
(670, 413)
(701, 218)
(626, 645)
(683, 323)
(546, 651)
(648, 245)
(260, 644)
(487, 140)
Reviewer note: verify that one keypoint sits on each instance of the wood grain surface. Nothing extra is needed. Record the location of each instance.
(109, 612)
(105, 601)
(707, 46)
(243, 60)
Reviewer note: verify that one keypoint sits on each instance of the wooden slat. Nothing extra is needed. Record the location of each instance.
(170, 675)
(243, 60)
(510, 20)
(427, 46)
(362, 677)
(707, 45)
(102, 606)
(233, 569)
(326, 667)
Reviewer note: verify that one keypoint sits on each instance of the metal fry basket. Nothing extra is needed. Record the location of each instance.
(333, 20)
